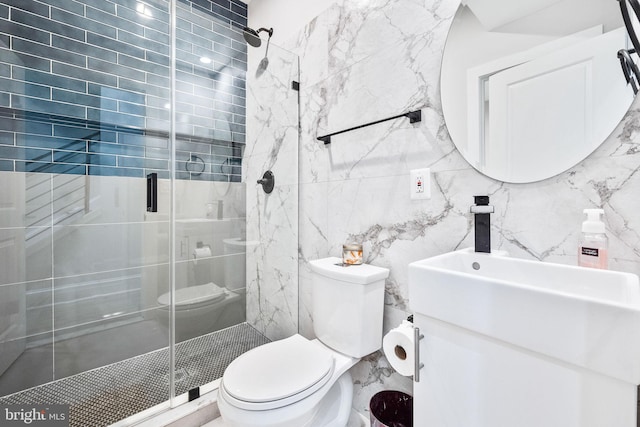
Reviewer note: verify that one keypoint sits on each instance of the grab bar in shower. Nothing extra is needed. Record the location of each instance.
(414, 117)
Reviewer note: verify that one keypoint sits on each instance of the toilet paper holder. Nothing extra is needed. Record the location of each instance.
(417, 336)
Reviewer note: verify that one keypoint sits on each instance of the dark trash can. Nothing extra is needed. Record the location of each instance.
(390, 408)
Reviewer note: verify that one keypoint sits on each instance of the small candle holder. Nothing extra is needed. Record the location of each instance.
(352, 254)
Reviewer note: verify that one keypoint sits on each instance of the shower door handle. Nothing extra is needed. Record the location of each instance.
(152, 192)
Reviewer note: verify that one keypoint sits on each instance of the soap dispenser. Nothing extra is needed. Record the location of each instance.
(593, 247)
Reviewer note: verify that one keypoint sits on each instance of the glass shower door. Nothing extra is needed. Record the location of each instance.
(84, 118)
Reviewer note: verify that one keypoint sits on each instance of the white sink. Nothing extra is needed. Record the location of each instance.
(583, 316)
(510, 342)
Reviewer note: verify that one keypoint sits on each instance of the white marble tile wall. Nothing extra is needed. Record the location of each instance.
(362, 61)
(272, 219)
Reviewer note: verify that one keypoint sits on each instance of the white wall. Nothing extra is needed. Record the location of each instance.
(286, 17)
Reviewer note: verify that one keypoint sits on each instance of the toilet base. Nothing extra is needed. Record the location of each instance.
(331, 410)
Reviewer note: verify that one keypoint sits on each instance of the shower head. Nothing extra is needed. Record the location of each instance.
(252, 36)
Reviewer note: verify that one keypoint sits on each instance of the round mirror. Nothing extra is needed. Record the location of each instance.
(531, 87)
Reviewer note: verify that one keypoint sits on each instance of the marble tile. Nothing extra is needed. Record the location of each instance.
(272, 265)
(361, 61)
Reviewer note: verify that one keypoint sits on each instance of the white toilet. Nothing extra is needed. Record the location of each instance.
(296, 382)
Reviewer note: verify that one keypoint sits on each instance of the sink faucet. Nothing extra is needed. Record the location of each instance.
(482, 223)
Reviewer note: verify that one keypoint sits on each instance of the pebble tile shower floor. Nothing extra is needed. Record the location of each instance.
(111, 393)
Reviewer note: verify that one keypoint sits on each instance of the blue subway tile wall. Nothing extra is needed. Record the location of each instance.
(85, 87)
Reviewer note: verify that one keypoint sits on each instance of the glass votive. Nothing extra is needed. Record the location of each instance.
(352, 254)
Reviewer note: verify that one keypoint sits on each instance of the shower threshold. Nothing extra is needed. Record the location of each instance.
(105, 395)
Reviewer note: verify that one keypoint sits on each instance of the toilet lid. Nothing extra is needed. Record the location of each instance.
(278, 370)
(192, 295)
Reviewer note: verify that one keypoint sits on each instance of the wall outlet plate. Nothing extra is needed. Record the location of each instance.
(420, 183)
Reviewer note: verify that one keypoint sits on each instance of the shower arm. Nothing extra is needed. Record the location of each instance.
(268, 30)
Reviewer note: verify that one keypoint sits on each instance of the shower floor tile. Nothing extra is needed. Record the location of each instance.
(102, 396)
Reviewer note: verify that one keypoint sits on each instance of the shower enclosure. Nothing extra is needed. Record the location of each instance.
(133, 266)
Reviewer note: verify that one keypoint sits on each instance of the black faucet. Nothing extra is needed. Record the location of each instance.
(482, 223)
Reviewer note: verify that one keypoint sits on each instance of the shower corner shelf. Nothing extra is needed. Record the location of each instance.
(413, 116)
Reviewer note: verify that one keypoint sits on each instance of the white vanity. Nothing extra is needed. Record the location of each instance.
(517, 343)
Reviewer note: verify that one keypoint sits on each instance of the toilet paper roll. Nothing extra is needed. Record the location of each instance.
(202, 252)
(398, 346)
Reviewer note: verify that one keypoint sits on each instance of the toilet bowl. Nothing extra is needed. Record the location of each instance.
(255, 390)
(297, 382)
(201, 310)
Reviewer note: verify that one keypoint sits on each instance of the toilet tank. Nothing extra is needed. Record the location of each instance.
(348, 305)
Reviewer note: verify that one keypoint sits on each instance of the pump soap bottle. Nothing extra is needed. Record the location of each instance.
(594, 244)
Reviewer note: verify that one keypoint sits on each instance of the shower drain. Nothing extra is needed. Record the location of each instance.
(181, 374)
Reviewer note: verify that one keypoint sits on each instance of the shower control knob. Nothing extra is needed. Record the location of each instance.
(268, 181)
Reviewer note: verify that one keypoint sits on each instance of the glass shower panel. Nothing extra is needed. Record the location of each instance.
(84, 119)
(210, 197)
(272, 218)
(215, 250)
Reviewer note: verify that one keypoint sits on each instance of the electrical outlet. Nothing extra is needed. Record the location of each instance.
(420, 185)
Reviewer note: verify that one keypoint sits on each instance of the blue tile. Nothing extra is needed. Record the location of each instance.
(6, 165)
(68, 6)
(76, 98)
(114, 118)
(242, 11)
(161, 174)
(20, 153)
(116, 149)
(130, 108)
(43, 106)
(19, 30)
(84, 49)
(109, 18)
(118, 46)
(18, 125)
(157, 153)
(108, 171)
(204, 4)
(240, 4)
(142, 42)
(82, 73)
(22, 88)
(159, 22)
(75, 132)
(83, 158)
(6, 138)
(143, 140)
(79, 21)
(134, 162)
(39, 141)
(50, 168)
(238, 137)
(116, 70)
(46, 24)
(137, 86)
(144, 64)
(107, 136)
(158, 58)
(39, 77)
(23, 60)
(105, 6)
(30, 6)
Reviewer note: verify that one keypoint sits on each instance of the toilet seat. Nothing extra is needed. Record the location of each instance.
(277, 374)
(194, 296)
